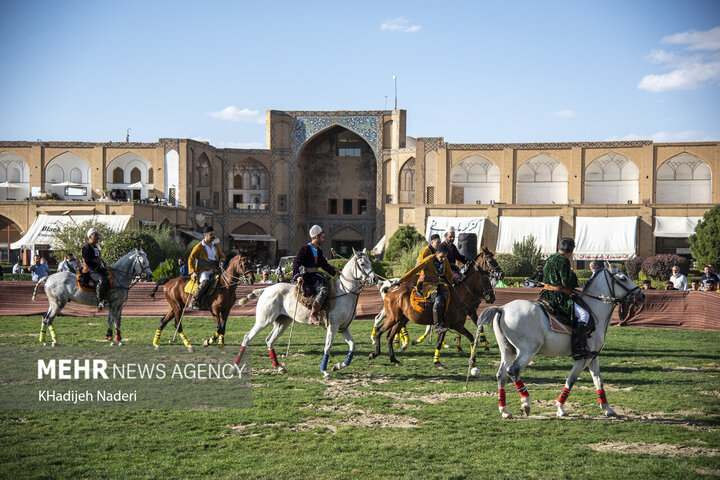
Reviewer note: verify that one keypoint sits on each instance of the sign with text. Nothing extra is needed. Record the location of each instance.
(440, 225)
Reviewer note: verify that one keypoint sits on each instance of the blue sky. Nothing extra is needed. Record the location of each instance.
(469, 71)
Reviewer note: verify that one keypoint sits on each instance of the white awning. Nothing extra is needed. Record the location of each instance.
(675, 227)
(605, 238)
(43, 229)
(514, 229)
(379, 248)
(439, 225)
(253, 238)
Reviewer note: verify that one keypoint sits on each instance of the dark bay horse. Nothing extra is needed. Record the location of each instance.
(221, 300)
(464, 296)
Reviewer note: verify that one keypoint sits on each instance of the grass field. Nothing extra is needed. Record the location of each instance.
(373, 420)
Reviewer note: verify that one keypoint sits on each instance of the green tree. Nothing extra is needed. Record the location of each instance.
(705, 242)
(171, 245)
(514, 266)
(124, 242)
(528, 252)
(169, 268)
(71, 238)
(404, 239)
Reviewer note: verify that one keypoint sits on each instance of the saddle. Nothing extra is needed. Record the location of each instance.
(307, 302)
(420, 302)
(561, 324)
(192, 285)
(85, 283)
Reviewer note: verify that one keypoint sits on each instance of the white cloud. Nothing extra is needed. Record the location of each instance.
(202, 139)
(704, 40)
(400, 24)
(686, 72)
(664, 137)
(253, 145)
(564, 113)
(234, 114)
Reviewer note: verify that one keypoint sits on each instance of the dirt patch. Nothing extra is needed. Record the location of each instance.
(19, 335)
(91, 324)
(712, 393)
(662, 449)
(707, 471)
(359, 419)
(663, 418)
(684, 370)
(405, 406)
(13, 420)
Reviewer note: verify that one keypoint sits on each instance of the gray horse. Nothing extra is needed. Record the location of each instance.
(523, 330)
(278, 305)
(62, 287)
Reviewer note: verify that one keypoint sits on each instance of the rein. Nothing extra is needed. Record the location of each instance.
(135, 279)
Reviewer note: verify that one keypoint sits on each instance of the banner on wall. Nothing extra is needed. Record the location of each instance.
(440, 225)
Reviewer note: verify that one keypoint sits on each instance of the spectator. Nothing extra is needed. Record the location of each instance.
(2, 273)
(68, 265)
(709, 275)
(537, 277)
(281, 278)
(39, 269)
(183, 268)
(669, 286)
(594, 268)
(711, 286)
(678, 280)
(16, 267)
(647, 285)
(695, 285)
(266, 277)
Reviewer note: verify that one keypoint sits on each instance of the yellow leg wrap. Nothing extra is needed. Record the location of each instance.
(420, 338)
(43, 329)
(221, 341)
(396, 339)
(458, 338)
(184, 339)
(372, 334)
(405, 335)
(436, 357)
(444, 344)
(156, 340)
(483, 341)
(52, 333)
(213, 339)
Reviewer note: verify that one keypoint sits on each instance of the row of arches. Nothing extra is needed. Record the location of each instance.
(609, 179)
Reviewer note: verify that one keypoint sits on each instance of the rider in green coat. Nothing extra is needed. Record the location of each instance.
(559, 291)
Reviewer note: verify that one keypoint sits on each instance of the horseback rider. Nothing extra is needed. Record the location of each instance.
(430, 249)
(558, 292)
(308, 261)
(435, 277)
(453, 255)
(204, 259)
(95, 267)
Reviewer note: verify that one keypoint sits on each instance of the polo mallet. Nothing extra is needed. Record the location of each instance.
(177, 327)
(297, 300)
(67, 213)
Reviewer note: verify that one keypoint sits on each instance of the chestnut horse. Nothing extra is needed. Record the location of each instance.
(221, 300)
(464, 296)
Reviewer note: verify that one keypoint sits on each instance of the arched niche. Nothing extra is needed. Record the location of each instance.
(611, 179)
(542, 180)
(68, 176)
(406, 182)
(684, 178)
(16, 172)
(248, 185)
(475, 179)
(132, 173)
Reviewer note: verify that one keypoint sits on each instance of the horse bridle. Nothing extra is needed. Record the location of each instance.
(614, 299)
(483, 296)
(241, 279)
(137, 275)
(362, 282)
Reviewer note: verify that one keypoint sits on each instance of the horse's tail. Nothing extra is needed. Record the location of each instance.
(40, 282)
(250, 296)
(488, 314)
(160, 282)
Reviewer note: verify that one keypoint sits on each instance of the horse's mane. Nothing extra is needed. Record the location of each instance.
(591, 280)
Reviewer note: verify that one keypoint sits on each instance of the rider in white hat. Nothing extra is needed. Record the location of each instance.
(308, 261)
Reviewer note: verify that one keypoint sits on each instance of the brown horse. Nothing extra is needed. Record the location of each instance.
(464, 296)
(220, 301)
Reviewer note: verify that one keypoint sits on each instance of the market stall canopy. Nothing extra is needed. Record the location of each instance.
(253, 238)
(135, 185)
(515, 229)
(675, 227)
(439, 225)
(43, 229)
(12, 185)
(67, 184)
(605, 238)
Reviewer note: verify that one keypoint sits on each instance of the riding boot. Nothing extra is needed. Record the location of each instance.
(314, 319)
(438, 320)
(99, 290)
(195, 305)
(578, 343)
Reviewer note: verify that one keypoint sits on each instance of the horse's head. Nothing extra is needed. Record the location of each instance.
(478, 279)
(141, 265)
(240, 267)
(485, 260)
(361, 268)
(618, 286)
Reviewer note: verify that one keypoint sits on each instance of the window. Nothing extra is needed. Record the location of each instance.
(282, 203)
(362, 206)
(75, 175)
(430, 197)
(237, 181)
(134, 175)
(197, 197)
(136, 194)
(118, 175)
(347, 206)
(332, 206)
(237, 199)
(216, 200)
(349, 145)
(172, 196)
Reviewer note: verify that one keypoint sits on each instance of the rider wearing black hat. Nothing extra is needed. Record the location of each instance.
(204, 259)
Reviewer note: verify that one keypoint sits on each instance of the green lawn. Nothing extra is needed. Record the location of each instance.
(373, 420)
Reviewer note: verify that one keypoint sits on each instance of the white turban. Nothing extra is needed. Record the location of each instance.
(450, 229)
(315, 231)
(91, 231)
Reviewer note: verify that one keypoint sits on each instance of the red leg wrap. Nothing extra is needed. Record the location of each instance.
(240, 354)
(563, 396)
(601, 396)
(273, 357)
(521, 389)
(501, 397)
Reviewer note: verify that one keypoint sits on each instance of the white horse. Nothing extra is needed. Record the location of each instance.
(523, 330)
(62, 287)
(277, 304)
